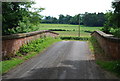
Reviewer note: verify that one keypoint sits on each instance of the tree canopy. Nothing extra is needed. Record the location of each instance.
(112, 24)
(18, 13)
(88, 19)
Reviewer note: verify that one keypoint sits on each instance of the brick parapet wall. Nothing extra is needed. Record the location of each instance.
(12, 43)
(109, 43)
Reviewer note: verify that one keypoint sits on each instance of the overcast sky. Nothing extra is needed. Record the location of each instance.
(72, 7)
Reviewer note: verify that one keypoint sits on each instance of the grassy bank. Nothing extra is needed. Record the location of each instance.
(104, 60)
(28, 51)
(112, 66)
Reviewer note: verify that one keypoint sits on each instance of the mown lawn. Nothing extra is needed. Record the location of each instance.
(71, 30)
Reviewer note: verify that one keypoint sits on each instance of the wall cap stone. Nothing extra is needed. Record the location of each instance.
(107, 36)
(23, 35)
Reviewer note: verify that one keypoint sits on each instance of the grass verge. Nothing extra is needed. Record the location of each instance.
(103, 60)
(112, 66)
(27, 51)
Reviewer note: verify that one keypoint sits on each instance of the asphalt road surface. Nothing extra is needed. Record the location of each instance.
(63, 60)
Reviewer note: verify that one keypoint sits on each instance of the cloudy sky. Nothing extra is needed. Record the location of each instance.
(72, 7)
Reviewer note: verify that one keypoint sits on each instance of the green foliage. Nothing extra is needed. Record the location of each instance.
(17, 17)
(75, 19)
(32, 46)
(35, 17)
(36, 45)
(13, 13)
(116, 16)
(74, 38)
(113, 66)
(61, 30)
(9, 64)
(113, 21)
(93, 19)
(61, 19)
(19, 54)
(95, 47)
(49, 19)
(116, 32)
(106, 29)
(23, 27)
(111, 25)
(102, 59)
(108, 23)
(88, 19)
(31, 49)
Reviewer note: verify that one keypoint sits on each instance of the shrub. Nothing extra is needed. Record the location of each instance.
(37, 45)
(59, 30)
(116, 32)
(74, 38)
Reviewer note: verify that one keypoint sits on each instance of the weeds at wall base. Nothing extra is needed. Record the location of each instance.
(102, 59)
(7, 65)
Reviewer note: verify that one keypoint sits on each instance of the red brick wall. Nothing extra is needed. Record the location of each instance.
(12, 43)
(108, 43)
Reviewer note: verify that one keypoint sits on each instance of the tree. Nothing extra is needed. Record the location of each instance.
(67, 19)
(15, 12)
(113, 18)
(108, 23)
(49, 19)
(116, 15)
(88, 19)
(93, 19)
(75, 19)
(61, 19)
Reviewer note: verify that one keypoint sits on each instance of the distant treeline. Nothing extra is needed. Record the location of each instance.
(87, 19)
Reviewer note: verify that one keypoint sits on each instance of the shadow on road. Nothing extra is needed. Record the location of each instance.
(85, 69)
(64, 60)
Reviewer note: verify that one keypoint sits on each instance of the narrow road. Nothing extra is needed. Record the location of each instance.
(63, 60)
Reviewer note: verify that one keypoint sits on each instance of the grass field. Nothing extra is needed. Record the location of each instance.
(71, 30)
